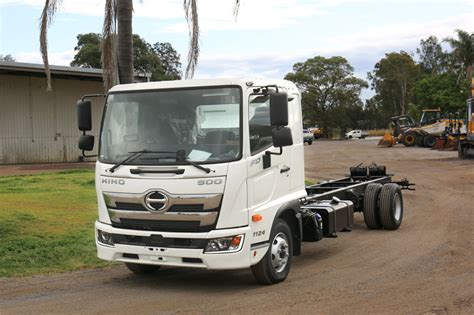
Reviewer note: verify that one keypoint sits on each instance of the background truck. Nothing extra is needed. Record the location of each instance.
(210, 174)
(466, 145)
(357, 133)
(308, 137)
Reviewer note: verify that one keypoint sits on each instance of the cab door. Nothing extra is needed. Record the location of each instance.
(265, 185)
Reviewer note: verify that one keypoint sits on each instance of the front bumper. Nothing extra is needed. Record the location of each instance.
(181, 257)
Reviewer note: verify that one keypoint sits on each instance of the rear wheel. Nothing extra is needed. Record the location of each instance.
(275, 265)
(310, 142)
(391, 206)
(462, 151)
(429, 141)
(141, 269)
(371, 206)
(408, 139)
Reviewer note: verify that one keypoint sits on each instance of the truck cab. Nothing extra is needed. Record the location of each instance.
(198, 173)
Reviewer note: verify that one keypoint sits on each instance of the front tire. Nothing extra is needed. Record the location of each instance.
(141, 269)
(275, 265)
(409, 139)
(391, 206)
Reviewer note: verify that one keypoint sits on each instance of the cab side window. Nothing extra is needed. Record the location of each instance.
(259, 126)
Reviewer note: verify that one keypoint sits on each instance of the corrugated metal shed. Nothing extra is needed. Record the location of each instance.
(38, 126)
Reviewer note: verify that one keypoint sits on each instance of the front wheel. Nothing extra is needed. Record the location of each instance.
(310, 142)
(408, 139)
(275, 265)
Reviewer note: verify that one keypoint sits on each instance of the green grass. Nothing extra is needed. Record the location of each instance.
(309, 182)
(47, 223)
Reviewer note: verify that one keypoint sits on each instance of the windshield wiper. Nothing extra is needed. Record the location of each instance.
(133, 155)
(181, 156)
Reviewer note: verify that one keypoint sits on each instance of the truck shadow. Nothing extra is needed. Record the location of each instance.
(177, 279)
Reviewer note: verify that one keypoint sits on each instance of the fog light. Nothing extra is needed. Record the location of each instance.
(225, 244)
(105, 238)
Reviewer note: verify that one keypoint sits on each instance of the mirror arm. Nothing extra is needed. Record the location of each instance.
(273, 153)
(91, 95)
(88, 156)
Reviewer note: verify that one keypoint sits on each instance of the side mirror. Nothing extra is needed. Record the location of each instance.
(278, 109)
(86, 142)
(282, 137)
(84, 115)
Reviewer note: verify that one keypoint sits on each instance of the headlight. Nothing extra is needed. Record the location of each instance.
(225, 244)
(105, 238)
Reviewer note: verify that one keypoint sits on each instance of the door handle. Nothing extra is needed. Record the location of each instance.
(284, 170)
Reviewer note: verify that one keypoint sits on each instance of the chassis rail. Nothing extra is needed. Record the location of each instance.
(352, 187)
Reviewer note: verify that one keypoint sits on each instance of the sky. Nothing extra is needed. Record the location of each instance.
(265, 41)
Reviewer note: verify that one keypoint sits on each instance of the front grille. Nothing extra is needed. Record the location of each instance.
(165, 226)
(158, 205)
(129, 206)
(159, 241)
(188, 208)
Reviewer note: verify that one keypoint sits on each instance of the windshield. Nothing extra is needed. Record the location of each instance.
(205, 123)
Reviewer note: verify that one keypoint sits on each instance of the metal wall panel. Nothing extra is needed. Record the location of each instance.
(38, 126)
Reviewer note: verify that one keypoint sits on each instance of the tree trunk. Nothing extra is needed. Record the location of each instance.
(469, 77)
(125, 41)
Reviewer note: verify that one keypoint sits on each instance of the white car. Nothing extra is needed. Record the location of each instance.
(357, 133)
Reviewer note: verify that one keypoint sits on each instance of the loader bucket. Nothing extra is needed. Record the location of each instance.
(451, 144)
(387, 140)
(439, 144)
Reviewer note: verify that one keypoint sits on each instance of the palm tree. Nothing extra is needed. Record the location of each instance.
(463, 50)
(117, 33)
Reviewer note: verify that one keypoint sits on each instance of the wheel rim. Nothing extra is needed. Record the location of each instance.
(410, 139)
(280, 252)
(397, 203)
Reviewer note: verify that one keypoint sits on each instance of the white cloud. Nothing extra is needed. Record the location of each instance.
(55, 58)
(362, 49)
(213, 14)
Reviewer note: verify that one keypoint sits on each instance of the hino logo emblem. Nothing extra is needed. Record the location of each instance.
(156, 201)
(113, 181)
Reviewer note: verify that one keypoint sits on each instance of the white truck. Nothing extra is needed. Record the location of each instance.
(357, 133)
(210, 174)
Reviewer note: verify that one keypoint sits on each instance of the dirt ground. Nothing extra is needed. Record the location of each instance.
(425, 267)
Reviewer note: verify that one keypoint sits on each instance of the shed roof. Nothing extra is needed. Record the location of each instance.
(64, 72)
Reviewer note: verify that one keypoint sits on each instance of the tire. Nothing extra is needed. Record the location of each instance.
(462, 152)
(409, 139)
(391, 206)
(371, 206)
(419, 141)
(429, 141)
(310, 142)
(350, 137)
(141, 269)
(273, 269)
